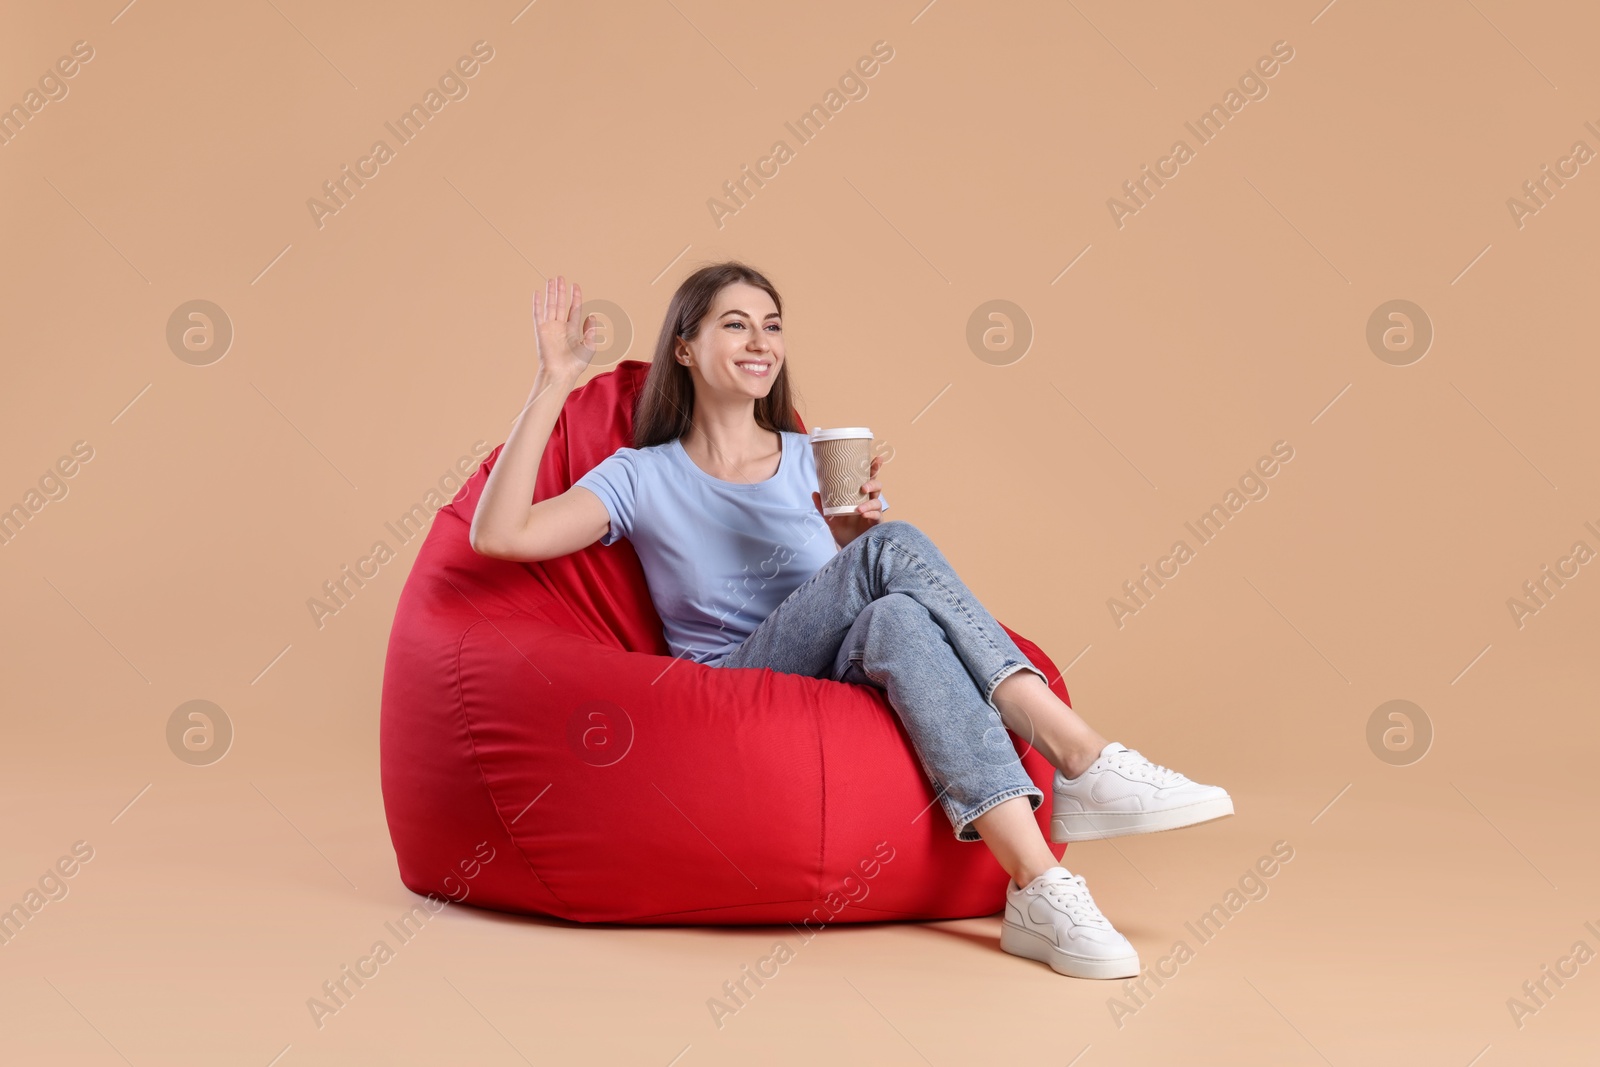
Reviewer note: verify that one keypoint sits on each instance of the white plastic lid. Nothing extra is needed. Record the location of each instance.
(839, 433)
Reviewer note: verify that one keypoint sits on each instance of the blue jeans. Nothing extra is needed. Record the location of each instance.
(888, 611)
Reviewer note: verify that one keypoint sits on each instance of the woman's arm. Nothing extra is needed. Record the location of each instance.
(505, 525)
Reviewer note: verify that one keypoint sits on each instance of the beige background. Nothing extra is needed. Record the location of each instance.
(1229, 313)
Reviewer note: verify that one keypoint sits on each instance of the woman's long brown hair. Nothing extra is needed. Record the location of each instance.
(666, 403)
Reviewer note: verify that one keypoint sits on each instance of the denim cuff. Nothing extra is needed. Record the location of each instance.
(1007, 670)
(1035, 797)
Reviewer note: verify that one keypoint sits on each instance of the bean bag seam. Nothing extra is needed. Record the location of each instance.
(461, 709)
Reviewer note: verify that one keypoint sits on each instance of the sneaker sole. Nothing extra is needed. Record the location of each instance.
(1019, 942)
(1083, 826)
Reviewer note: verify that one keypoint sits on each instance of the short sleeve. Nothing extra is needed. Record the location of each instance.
(615, 480)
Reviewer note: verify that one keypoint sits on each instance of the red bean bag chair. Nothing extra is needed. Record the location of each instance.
(543, 753)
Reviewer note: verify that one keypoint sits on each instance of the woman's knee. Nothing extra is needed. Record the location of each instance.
(898, 611)
(898, 620)
(900, 531)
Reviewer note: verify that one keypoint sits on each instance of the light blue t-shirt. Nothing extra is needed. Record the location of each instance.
(718, 556)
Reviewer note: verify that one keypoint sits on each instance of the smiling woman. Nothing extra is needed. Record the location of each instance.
(717, 481)
(718, 484)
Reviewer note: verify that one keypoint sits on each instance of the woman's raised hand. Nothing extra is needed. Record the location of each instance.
(566, 343)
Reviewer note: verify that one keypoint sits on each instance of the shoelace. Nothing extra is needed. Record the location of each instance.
(1130, 762)
(1071, 895)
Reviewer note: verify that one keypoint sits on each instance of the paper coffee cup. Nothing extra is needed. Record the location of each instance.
(844, 462)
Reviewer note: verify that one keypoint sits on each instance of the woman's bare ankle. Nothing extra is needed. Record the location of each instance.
(1082, 755)
(1027, 872)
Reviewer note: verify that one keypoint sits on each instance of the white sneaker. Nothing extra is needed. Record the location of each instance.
(1053, 919)
(1121, 792)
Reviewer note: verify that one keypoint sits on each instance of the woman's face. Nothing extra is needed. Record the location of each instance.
(739, 349)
